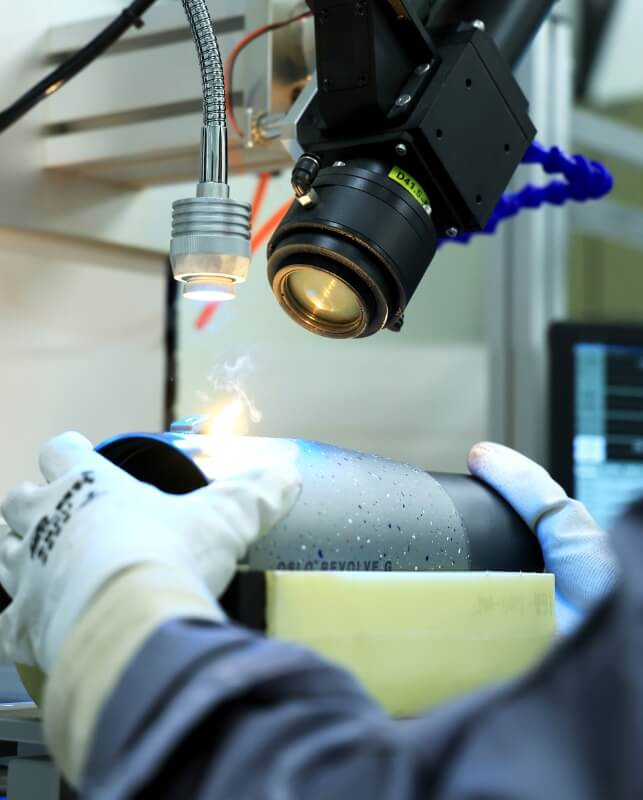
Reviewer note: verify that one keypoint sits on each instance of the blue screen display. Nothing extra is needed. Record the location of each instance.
(608, 428)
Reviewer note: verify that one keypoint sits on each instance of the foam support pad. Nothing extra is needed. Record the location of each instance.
(413, 639)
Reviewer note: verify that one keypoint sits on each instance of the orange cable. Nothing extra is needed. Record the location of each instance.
(270, 226)
(264, 232)
(232, 58)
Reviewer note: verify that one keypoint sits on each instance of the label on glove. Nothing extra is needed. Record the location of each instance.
(409, 183)
(49, 528)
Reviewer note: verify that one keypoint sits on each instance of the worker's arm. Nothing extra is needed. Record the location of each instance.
(208, 712)
(205, 712)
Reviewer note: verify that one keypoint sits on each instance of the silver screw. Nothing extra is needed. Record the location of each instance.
(422, 69)
(401, 149)
(452, 232)
(339, 163)
(479, 25)
(427, 208)
(403, 100)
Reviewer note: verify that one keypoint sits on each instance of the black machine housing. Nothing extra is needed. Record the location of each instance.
(466, 126)
(439, 103)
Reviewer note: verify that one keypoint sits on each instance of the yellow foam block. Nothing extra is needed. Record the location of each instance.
(416, 639)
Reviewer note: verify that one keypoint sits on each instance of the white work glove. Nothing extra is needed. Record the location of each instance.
(68, 539)
(575, 549)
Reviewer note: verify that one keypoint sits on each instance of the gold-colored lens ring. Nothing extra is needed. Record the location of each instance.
(308, 318)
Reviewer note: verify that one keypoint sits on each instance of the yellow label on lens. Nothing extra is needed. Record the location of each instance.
(409, 183)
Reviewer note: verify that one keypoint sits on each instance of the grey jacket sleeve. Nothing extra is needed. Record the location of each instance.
(217, 712)
(208, 711)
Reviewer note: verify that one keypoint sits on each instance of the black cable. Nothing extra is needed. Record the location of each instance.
(130, 17)
(171, 348)
(596, 18)
(512, 24)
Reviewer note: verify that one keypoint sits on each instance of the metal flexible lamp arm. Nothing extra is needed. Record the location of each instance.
(214, 140)
(210, 248)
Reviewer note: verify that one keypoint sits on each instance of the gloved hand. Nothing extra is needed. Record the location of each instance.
(68, 539)
(575, 549)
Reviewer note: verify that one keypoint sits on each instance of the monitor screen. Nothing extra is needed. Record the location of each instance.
(607, 444)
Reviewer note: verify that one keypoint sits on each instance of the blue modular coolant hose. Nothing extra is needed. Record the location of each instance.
(583, 180)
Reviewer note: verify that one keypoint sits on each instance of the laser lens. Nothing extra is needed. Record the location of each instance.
(323, 296)
(347, 266)
(320, 301)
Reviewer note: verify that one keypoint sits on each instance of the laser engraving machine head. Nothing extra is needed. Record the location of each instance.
(409, 132)
(413, 132)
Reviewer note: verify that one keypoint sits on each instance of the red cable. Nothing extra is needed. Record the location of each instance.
(269, 227)
(264, 232)
(206, 315)
(259, 197)
(209, 310)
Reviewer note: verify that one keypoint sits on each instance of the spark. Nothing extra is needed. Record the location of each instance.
(230, 420)
(229, 379)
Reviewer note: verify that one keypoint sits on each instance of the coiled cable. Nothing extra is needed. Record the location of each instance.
(585, 180)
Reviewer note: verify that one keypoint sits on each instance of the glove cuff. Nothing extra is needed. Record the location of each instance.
(121, 617)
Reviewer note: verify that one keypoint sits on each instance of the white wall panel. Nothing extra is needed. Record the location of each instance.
(81, 344)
